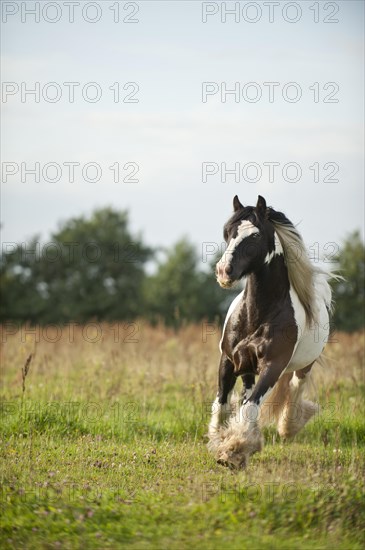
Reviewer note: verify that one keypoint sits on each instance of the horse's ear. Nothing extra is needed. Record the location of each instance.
(261, 207)
(236, 204)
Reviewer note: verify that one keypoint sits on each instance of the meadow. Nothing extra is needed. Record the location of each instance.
(103, 445)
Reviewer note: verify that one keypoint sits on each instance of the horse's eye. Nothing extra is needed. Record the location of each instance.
(256, 235)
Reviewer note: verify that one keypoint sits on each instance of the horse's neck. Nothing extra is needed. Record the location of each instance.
(267, 288)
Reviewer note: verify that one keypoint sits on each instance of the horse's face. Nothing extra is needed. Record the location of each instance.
(250, 238)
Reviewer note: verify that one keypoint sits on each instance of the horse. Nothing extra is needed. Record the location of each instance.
(275, 330)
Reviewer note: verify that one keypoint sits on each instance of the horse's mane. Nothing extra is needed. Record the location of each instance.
(300, 269)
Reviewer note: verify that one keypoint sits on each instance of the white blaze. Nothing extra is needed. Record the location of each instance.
(245, 229)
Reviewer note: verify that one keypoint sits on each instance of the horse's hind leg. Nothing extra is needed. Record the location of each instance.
(296, 411)
(221, 406)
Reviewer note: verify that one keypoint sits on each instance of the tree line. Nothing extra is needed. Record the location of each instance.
(95, 269)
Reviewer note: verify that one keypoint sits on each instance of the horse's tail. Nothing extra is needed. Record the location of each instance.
(323, 360)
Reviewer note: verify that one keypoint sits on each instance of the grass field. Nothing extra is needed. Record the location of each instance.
(103, 446)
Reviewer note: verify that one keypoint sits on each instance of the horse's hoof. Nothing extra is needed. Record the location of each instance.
(233, 462)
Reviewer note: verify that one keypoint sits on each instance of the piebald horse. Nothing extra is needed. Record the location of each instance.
(275, 329)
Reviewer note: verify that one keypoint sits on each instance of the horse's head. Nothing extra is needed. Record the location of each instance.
(250, 238)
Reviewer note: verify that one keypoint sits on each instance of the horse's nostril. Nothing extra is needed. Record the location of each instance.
(229, 269)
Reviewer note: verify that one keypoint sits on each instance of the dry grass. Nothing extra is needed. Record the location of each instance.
(136, 355)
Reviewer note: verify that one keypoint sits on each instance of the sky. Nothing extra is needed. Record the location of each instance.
(169, 109)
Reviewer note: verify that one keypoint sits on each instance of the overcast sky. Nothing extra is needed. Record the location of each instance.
(293, 130)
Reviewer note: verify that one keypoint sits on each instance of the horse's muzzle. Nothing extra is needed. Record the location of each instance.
(223, 272)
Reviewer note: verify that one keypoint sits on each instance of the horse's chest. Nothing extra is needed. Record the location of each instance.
(258, 335)
(240, 332)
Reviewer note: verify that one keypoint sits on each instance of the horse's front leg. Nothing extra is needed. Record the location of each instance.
(243, 436)
(221, 406)
(248, 380)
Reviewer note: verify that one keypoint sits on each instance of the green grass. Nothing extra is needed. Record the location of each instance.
(106, 449)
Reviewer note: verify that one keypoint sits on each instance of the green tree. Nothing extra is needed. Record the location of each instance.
(180, 291)
(21, 297)
(92, 268)
(349, 293)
